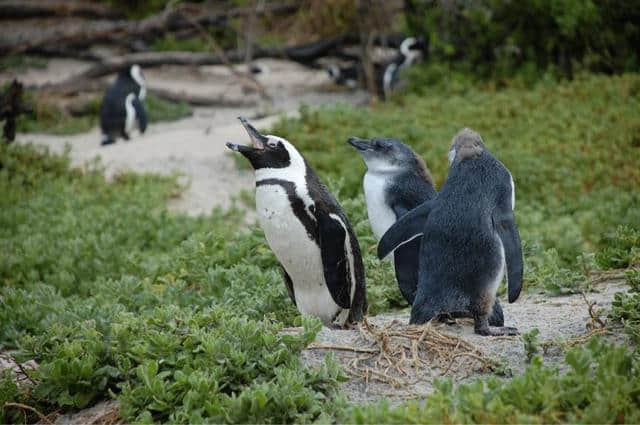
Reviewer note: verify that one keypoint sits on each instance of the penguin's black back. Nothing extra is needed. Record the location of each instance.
(325, 200)
(460, 246)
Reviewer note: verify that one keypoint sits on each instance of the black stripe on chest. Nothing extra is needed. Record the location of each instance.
(297, 205)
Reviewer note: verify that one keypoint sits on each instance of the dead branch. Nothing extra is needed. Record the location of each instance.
(31, 409)
(21, 9)
(112, 31)
(198, 100)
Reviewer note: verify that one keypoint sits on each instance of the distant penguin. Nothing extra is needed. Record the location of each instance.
(397, 181)
(308, 232)
(345, 75)
(411, 51)
(122, 106)
(469, 238)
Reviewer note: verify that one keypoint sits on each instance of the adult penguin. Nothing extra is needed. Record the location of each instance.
(122, 106)
(469, 237)
(307, 231)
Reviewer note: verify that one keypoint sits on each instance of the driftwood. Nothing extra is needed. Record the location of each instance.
(20, 9)
(98, 85)
(172, 19)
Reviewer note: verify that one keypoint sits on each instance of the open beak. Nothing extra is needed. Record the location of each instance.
(360, 144)
(258, 141)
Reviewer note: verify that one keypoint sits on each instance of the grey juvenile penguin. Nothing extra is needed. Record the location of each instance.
(308, 232)
(122, 106)
(469, 237)
(396, 181)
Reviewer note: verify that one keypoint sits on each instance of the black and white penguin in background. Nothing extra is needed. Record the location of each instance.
(469, 238)
(122, 106)
(411, 52)
(307, 231)
(387, 74)
(397, 181)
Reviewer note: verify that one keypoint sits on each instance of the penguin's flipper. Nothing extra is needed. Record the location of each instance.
(332, 235)
(408, 227)
(505, 224)
(289, 284)
(141, 114)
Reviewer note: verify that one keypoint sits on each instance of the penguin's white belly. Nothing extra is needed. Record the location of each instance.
(381, 216)
(297, 252)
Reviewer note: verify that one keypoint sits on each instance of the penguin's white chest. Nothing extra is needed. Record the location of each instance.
(297, 252)
(381, 216)
(130, 113)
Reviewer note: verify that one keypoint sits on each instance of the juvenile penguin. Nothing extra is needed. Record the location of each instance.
(469, 237)
(397, 181)
(307, 231)
(122, 106)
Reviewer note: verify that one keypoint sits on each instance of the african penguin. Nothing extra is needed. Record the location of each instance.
(308, 232)
(469, 238)
(411, 51)
(397, 181)
(345, 75)
(122, 106)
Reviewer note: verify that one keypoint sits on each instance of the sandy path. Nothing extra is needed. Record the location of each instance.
(195, 146)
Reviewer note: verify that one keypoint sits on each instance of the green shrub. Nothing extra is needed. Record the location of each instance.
(601, 386)
(530, 38)
(625, 308)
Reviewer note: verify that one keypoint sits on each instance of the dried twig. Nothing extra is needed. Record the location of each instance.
(596, 321)
(315, 346)
(31, 409)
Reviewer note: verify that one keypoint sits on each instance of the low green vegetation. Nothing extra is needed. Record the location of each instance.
(601, 385)
(180, 318)
(50, 117)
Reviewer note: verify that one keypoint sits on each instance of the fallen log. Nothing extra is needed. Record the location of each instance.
(21, 9)
(173, 19)
(99, 85)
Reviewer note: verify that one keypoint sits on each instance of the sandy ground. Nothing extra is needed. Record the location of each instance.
(195, 146)
(562, 322)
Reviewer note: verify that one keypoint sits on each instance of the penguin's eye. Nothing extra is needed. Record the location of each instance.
(272, 144)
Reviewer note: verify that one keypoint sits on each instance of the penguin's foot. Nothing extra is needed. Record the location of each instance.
(106, 142)
(446, 318)
(497, 331)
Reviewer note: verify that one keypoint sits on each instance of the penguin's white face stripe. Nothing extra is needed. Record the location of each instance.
(388, 78)
(513, 192)
(296, 172)
(404, 46)
(452, 156)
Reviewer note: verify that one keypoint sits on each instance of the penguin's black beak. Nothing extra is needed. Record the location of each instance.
(360, 144)
(258, 141)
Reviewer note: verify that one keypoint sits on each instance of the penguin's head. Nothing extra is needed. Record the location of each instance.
(465, 145)
(386, 155)
(265, 151)
(413, 46)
